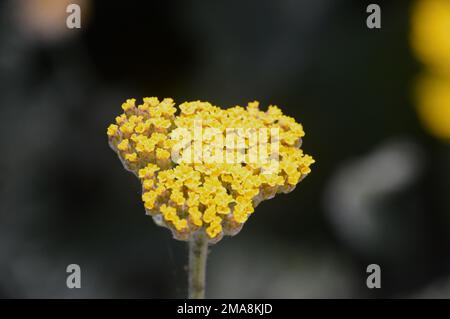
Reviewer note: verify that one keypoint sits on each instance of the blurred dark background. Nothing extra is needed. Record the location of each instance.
(378, 193)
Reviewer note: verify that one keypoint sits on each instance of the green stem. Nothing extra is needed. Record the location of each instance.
(198, 251)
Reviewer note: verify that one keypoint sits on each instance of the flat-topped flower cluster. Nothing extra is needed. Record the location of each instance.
(204, 168)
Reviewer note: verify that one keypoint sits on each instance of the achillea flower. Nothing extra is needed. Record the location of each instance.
(204, 170)
(430, 36)
(201, 189)
(430, 39)
(433, 104)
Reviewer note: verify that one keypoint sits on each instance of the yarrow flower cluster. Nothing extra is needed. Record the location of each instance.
(210, 180)
(430, 39)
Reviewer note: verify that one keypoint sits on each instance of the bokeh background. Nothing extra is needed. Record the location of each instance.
(375, 105)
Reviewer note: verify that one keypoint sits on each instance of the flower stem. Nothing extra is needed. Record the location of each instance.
(198, 251)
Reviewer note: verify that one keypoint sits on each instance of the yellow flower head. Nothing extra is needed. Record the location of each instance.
(433, 104)
(203, 168)
(430, 40)
(430, 36)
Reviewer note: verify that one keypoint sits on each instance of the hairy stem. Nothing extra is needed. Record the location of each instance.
(198, 251)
